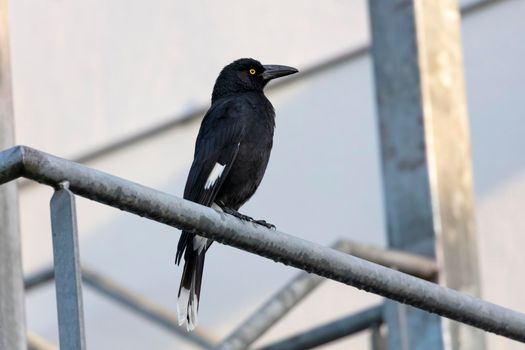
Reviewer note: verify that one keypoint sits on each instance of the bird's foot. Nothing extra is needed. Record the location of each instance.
(237, 214)
(247, 218)
(265, 224)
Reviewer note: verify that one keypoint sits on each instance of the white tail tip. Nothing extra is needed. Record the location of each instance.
(182, 305)
(187, 305)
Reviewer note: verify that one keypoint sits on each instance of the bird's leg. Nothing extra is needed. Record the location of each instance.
(246, 217)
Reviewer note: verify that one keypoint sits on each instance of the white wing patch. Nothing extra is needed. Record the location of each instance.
(199, 243)
(215, 174)
(216, 207)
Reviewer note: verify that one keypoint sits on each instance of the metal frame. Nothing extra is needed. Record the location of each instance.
(12, 313)
(426, 161)
(369, 318)
(279, 304)
(262, 319)
(26, 162)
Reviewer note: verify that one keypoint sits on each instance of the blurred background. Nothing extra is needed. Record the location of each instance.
(87, 74)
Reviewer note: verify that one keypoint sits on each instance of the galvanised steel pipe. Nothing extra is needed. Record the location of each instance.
(331, 331)
(39, 278)
(275, 245)
(268, 314)
(273, 310)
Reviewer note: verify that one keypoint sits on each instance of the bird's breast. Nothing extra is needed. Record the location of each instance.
(249, 166)
(254, 153)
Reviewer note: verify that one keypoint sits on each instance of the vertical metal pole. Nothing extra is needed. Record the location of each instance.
(425, 158)
(12, 319)
(67, 270)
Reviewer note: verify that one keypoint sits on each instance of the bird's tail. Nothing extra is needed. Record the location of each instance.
(190, 287)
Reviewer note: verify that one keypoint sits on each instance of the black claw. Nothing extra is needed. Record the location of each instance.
(265, 224)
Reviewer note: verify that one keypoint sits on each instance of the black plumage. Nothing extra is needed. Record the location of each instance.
(231, 154)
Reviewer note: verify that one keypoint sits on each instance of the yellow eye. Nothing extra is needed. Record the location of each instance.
(252, 71)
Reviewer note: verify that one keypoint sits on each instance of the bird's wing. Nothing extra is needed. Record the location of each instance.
(215, 151)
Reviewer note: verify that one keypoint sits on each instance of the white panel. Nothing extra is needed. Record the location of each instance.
(101, 70)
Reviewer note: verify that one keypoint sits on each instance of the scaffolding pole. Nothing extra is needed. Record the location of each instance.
(335, 330)
(278, 246)
(280, 304)
(425, 158)
(12, 318)
(264, 317)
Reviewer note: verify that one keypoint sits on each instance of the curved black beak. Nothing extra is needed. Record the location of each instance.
(272, 71)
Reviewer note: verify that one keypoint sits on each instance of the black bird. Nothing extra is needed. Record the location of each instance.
(231, 154)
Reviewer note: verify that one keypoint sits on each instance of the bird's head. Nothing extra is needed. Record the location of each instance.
(245, 75)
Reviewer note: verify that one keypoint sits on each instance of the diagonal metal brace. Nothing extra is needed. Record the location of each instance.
(268, 314)
(331, 331)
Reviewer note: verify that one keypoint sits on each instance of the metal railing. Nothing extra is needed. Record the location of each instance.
(263, 318)
(70, 178)
(331, 331)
